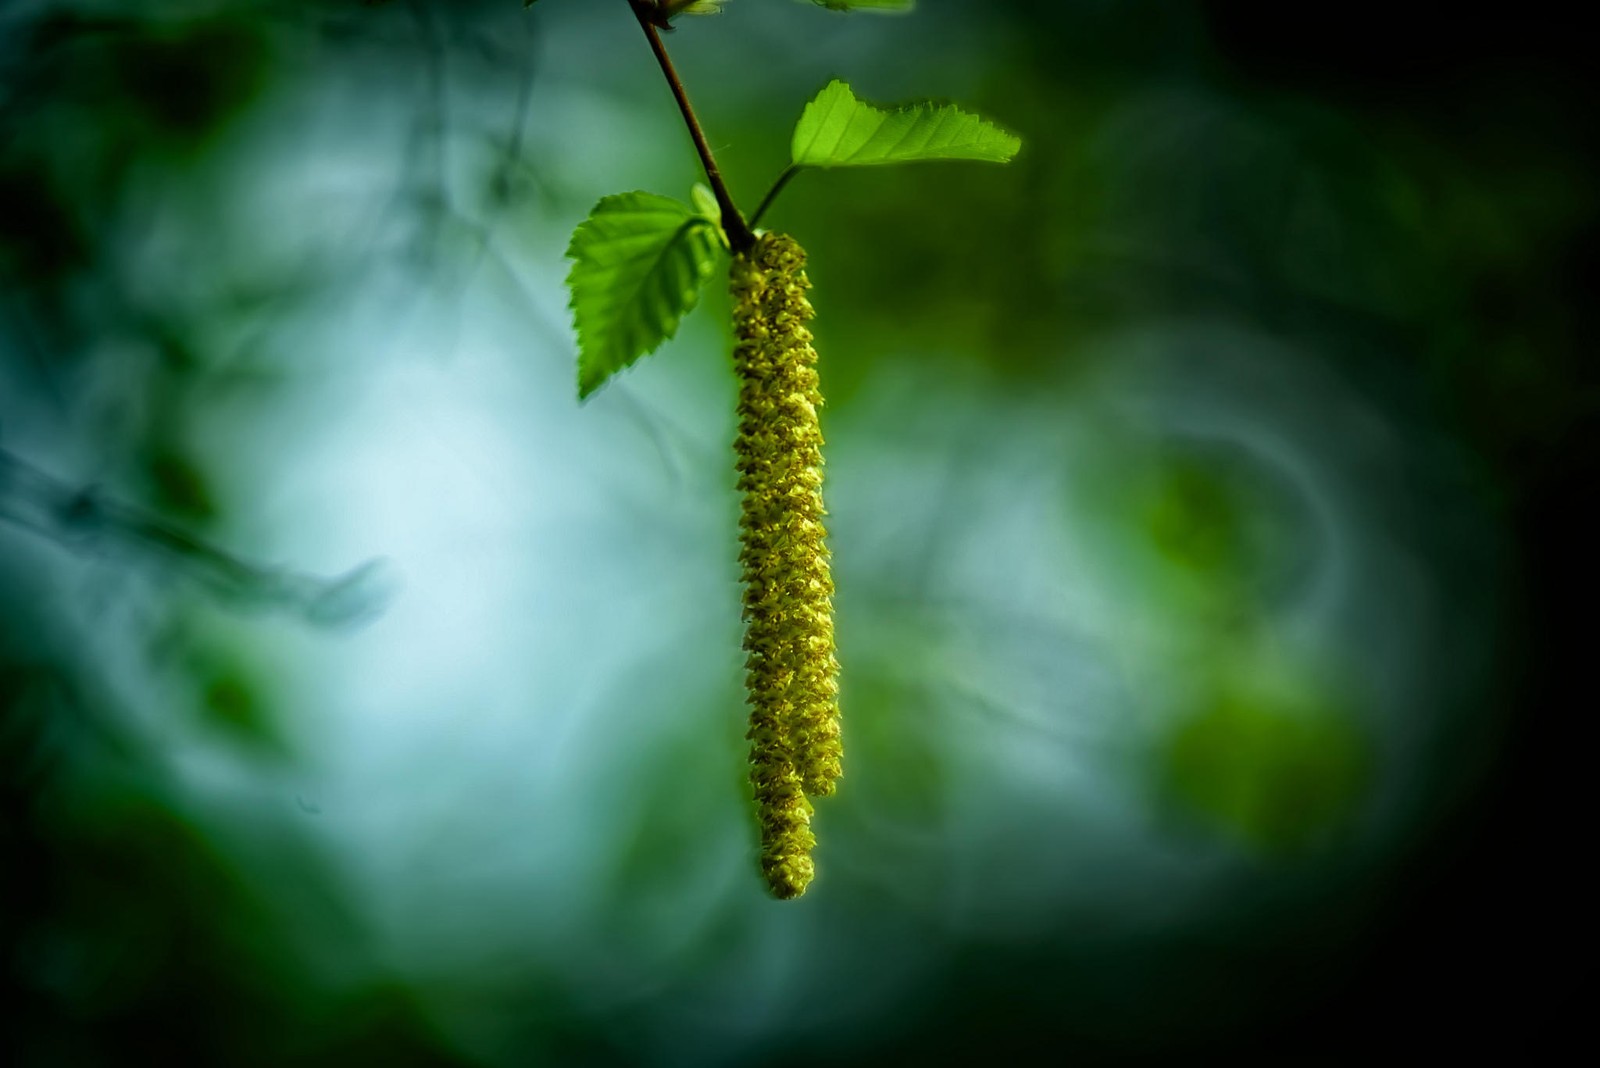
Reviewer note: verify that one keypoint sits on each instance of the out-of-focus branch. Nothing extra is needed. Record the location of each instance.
(83, 521)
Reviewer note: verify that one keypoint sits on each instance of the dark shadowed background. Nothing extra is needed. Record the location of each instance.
(1207, 494)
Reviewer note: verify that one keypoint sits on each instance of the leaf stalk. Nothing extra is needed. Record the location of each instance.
(772, 194)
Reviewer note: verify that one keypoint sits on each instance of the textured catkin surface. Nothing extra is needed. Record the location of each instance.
(791, 670)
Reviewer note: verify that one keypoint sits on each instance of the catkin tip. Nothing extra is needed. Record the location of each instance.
(789, 877)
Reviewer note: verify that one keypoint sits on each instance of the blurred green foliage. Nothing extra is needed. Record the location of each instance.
(184, 81)
(1186, 482)
(1282, 771)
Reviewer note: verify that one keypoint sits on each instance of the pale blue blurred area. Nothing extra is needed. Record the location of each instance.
(526, 778)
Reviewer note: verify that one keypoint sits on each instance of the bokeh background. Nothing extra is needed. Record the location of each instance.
(1207, 508)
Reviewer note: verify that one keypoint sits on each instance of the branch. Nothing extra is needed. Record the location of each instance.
(81, 520)
(740, 239)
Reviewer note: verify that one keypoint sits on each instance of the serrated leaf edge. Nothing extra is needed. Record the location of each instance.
(840, 93)
(688, 225)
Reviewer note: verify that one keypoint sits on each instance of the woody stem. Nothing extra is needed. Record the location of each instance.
(740, 239)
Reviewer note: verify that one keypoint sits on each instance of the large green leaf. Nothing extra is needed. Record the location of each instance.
(639, 261)
(837, 130)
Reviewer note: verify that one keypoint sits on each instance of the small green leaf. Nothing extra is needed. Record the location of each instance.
(837, 130)
(705, 202)
(674, 8)
(639, 261)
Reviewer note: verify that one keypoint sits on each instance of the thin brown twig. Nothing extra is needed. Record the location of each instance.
(740, 237)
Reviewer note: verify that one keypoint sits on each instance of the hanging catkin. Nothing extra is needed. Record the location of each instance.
(791, 671)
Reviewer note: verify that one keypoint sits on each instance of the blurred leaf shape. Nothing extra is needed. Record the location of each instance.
(639, 262)
(233, 704)
(181, 488)
(1279, 768)
(40, 236)
(838, 130)
(1195, 519)
(186, 80)
(1227, 526)
(353, 599)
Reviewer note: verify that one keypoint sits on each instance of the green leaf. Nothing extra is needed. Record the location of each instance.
(639, 261)
(674, 8)
(706, 206)
(837, 130)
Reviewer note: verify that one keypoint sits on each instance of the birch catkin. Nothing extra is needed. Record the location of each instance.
(791, 670)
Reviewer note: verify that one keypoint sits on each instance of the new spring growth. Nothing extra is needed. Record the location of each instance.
(791, 672)
(639, 263)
